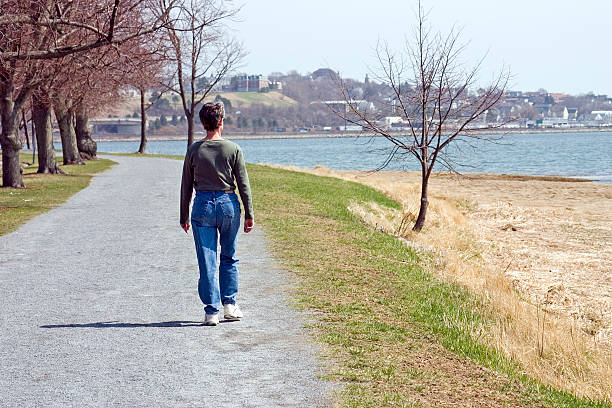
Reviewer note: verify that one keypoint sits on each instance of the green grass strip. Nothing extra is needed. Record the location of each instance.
(43, 191)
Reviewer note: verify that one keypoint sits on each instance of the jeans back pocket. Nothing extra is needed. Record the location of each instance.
(203, 212)
(230, 208)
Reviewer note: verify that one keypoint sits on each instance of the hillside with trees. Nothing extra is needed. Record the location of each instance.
(311, 102)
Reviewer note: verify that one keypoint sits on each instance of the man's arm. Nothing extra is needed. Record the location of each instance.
(244, 188)
(186, 191)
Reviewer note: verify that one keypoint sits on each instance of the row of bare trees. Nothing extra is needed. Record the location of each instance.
(54, 53)
(73, 57)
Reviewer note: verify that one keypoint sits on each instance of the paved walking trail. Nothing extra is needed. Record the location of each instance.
(99, 307)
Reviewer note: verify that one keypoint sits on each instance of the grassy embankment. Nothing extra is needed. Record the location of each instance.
(397, 335)
(43, 191)
(246, 99)
(551, 346)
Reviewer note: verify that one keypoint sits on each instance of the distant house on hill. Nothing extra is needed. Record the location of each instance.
(569, 113)
(513, 94)
(604, 116)
(249, 83)
(276, 86)
(558, 97)
(324, 73)
(543, 108)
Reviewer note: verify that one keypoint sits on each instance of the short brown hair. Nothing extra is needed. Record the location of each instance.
(211, 115)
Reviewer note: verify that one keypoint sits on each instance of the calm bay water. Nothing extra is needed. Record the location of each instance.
(587, 155)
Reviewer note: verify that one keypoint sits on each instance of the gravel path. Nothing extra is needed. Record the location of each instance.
(99, 307)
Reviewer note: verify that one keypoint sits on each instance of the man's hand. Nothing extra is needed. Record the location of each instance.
(248, 224)
(185, 227)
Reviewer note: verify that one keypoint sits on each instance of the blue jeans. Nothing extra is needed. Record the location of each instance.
(215, 217)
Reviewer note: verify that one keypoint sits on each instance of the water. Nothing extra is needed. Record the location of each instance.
(584, 155)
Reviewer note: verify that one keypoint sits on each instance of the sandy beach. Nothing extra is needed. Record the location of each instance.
(551, 237)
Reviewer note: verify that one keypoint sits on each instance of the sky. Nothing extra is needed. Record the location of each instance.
(562, 46)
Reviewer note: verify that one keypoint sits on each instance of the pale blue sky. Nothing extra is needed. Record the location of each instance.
(562, 46)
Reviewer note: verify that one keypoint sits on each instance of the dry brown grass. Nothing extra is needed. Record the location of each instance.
(554, 346)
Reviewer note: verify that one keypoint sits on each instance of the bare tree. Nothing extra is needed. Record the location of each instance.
(201, 52)
(432, 93)
(102, 74)
(144, 68)
(41, 115)
(64, 114)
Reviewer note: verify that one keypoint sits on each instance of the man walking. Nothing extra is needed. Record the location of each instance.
(215, 167)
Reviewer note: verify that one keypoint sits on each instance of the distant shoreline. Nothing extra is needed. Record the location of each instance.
(235, 136)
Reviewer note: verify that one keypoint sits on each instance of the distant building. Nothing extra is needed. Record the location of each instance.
(128, 126)
(554, 123)
(324, 73)
(537, 97)
(393, 120)
(257, 82)
(558, 98)
(350, 128)
(342, 106)
(543, 108)
(276, 86)
(513, 94)
(602, 113)
(249, 83)
(601, 116)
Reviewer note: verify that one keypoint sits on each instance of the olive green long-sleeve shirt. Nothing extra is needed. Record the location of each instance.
(213, 165)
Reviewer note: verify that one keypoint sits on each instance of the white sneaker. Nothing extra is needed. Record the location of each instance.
(211, 319)
(232, 312)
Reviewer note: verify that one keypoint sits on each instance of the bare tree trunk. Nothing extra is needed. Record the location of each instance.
(70, 149)
(418, 226)
(11, 145)
(41, 115)
(143, 123)
(11, 168)
(87, 146)
(190, 129)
